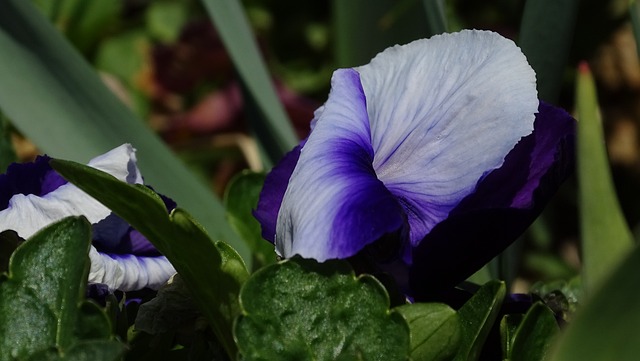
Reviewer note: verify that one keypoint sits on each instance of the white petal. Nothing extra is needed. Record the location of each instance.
(26, 214)
(128, 272)
(120, 162)
(445, 111)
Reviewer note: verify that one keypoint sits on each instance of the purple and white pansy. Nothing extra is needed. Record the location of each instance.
(438, 152)
(33, 195)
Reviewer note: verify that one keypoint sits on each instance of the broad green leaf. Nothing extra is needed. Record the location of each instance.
(604, 232)
(300, 309)
(436, 20)
(240, 199)
(77, 117)
(434, 330)
(547, 28)
(275, 133)
(606, 327)
(533, 338)
(41, 297)
(364, 28)
(477, 316)
(96, 350)
(213, 271)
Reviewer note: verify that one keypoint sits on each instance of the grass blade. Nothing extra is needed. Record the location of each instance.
(275, 132)
(364, 28)
(605, 234)
(436, 20)
(547, 28)
(606, 327)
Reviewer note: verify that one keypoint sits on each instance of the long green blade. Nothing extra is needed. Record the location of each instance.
(606, 327)
(275, 132)
(436, 20)
(546, 32)
(364, 28)
(57, 100)
(605, 234)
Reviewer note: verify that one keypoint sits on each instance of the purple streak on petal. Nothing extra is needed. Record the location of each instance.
(275, 184)
(368, 210)
(335, 205)
(505, 202)
(28, 178)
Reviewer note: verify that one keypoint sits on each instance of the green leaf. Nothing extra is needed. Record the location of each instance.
(170, 310)
(213, 271)
(92, 322)
(276, 134)
(547, 28)
(304, 310)
(533, 338)
(477, 316)
(97, 350)
(366, 27)
(604, 232)
(606, 326)
(41, 296)
(508, 326)
(434, 330)
(77, 117)
(436, 20)
(240, 199)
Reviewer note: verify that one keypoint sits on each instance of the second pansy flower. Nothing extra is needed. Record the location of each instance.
(442, 129)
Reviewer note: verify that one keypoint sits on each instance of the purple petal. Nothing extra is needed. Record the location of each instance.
(334, 204)
(504, 204)
(275, 185)
(36, 178)
(115, 236)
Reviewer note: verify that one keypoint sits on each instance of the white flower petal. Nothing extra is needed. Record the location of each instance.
(445, 111)
(128, 272)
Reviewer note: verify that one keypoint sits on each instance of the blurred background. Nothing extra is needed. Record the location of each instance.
(166, 61)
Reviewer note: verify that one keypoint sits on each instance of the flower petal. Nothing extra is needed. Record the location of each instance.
(275, 185)
(334, 204)
(128, 272)
(28, 213)
(503, 205)
(445, 111)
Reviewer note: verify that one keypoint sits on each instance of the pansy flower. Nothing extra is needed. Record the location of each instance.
(33, 195)
(430, 160)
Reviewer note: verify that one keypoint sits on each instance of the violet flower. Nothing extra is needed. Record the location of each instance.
(429, 160)
(33, 195)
